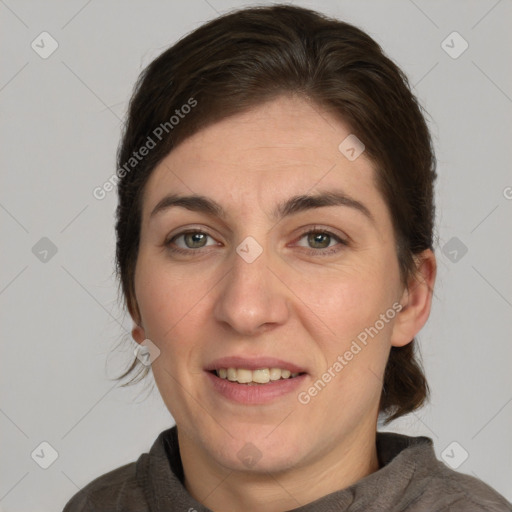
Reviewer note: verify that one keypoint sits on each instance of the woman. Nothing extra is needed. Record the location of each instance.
(274, 248)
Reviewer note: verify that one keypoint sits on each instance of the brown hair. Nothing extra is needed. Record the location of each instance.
(250, 56)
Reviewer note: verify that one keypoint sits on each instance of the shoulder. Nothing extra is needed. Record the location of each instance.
(459, 492)
(154, 478)
(431, 485)
(108, 490)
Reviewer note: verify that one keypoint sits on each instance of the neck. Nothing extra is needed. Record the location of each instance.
(221, 489)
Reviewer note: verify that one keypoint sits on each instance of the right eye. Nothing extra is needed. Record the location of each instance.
(189, 241)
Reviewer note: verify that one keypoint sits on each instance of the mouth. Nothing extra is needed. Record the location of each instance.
(258, 377)
(254, 381)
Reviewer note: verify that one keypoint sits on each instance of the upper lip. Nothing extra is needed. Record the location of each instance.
(253, 363)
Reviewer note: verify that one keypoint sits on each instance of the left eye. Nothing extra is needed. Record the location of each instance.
(320, 239)
(316, 240)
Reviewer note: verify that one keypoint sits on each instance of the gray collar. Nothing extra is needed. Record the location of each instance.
(406, 466)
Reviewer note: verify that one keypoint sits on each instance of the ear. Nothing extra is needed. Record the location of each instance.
(416, 300)
(138, 333)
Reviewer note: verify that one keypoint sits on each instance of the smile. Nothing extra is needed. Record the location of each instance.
(259, 376)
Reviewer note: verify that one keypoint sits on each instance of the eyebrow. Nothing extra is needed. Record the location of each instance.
(293, 205)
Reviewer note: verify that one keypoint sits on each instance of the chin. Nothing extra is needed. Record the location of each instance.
(252, 449)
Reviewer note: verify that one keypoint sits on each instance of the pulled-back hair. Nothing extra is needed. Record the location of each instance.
(250, 56)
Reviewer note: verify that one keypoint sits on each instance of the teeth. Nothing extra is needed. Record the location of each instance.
(243, 376)
(260, 376)
(275, 373)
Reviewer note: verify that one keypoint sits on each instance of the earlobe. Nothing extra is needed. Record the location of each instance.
(138, 333)
(416, 300)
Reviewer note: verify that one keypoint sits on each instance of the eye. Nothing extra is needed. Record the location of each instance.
(188, 240)
(321, 241)
(318, 239)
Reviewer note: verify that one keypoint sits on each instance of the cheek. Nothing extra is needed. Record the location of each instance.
(356, 304)
(350, 299)
(166, 299)
(170, 307)
(355, 349)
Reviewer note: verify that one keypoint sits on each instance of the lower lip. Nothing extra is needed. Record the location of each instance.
(257, 394)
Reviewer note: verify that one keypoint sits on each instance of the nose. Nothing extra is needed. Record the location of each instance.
(252, 299)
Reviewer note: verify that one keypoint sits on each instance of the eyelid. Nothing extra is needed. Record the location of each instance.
(169, 239)
(341, 238)
(179, 235)
(325, 230)
(192, 228)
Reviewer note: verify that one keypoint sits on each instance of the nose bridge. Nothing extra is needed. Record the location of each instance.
(251, 296)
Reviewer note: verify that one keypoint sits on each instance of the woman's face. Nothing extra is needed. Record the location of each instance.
(268, 280)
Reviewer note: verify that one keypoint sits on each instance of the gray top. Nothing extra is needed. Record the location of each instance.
(410, 479)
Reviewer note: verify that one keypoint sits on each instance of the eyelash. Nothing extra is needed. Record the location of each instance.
(311, 252)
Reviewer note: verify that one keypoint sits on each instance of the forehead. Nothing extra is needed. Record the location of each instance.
(284, 147)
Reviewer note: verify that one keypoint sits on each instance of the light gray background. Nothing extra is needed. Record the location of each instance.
(60, 125)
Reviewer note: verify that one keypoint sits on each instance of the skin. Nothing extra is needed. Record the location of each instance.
(291, 302)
